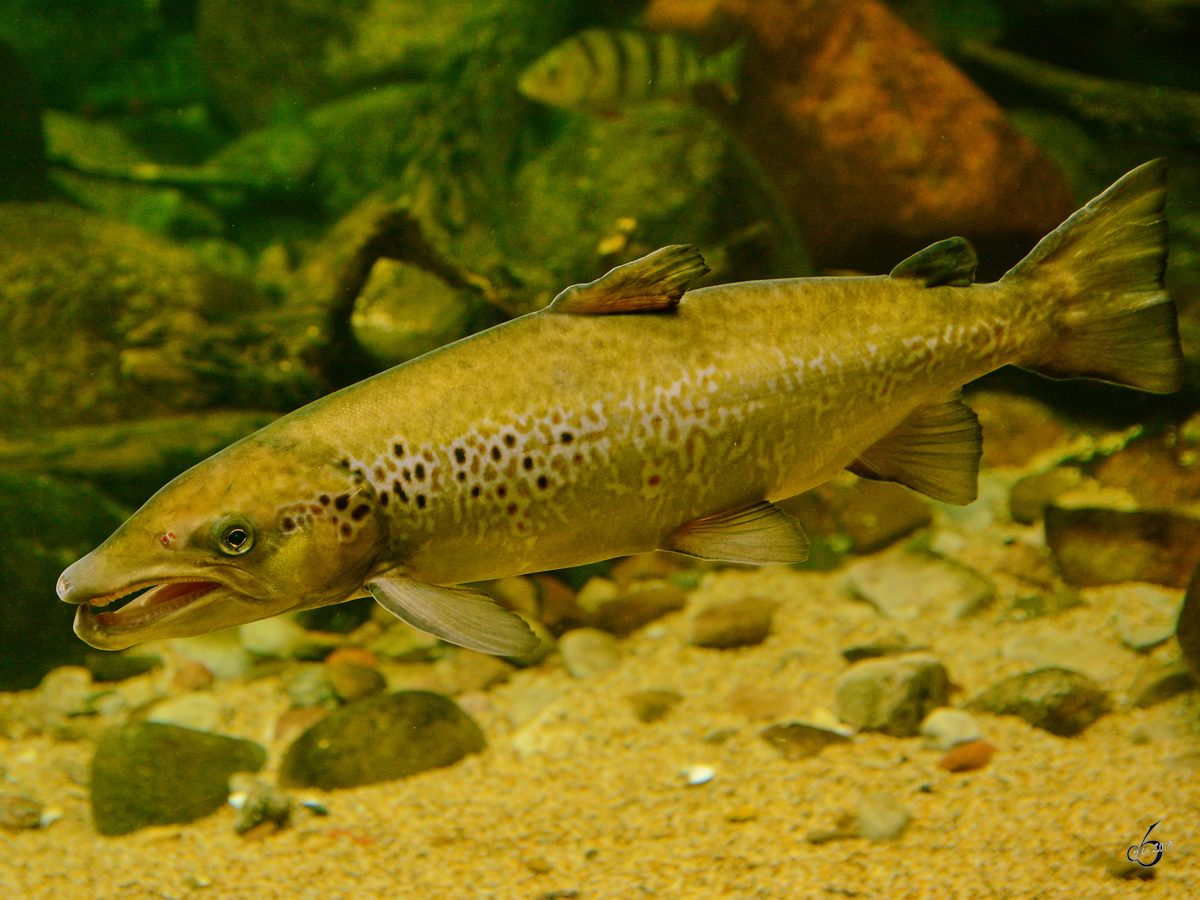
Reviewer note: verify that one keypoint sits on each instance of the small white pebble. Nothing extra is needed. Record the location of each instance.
(654, 632)
(49, 815)
(699, 774)
(238, 799)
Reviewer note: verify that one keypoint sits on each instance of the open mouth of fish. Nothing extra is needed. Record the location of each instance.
(150, 602)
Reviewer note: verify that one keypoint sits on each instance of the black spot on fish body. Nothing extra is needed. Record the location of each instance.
(528, 463)
(543, 482)
(420, 472)
(567, 437)
(511, 509)
(288, 523)
(342, 501)
(346, 529)
(383, 498)
(460, 455)
(510, 441)
(501, 491)
(407, 474)
(360, 512)
(398, 449)
(475, 491)
(324, 498)
(496, 453)
(420, 501)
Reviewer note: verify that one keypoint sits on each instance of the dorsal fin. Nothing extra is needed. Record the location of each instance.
(935, 451)
(653, 282)
(949, 263)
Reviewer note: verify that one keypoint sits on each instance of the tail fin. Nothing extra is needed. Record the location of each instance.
(1105, 266)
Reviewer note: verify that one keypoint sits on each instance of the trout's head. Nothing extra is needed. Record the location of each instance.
(262, 528)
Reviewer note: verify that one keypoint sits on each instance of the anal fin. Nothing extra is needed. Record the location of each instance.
(457, 615)
(935, 451)
(654, 282)
(757, 534)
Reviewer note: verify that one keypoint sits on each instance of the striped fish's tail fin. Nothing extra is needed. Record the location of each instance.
(724, 70)
(1104, 267)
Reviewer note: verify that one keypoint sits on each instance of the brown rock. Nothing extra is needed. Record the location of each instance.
(968, 756)
(737, 623)
(353, 682)
(1016, 430)
(876, 514)
(798, 740)
(1159, 471)
(1030, 496)
(878, 144)
(626, 613)
(653, 704)
(1108, 546)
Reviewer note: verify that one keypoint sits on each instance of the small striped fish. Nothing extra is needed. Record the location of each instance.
(600, 70)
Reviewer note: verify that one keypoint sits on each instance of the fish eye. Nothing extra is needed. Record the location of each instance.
(234, 536)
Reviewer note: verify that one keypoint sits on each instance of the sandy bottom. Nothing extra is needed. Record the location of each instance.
(583, 800)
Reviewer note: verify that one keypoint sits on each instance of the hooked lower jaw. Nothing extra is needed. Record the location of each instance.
(119, 629)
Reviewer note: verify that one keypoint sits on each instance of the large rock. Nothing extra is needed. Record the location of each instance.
(1108, 546)
(381, 739)
(146, 773)
(104, 322)
(878, 144)
(1059, 700)
(268, 59)
(892, 695)
(45, 524)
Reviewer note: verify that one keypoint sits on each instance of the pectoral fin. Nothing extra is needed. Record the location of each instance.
(458, 615)
(757, 534)
(947, 263)
(656, 281)
(935, 451)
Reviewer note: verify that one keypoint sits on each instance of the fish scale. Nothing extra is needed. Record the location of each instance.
(631, 414)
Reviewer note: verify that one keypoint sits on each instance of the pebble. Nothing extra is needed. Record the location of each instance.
(198, 711)
(1157, 682)
(889, 645)
(968, 757)
(624, 614)
(66, 691)
(699, 774)
(755, 702)
(1094, 654)
(381, 739)
(735, 623)
(588, 652)
(119, 666)
(1145, 614)
(1109, 546)
(946, 727)
(891, 695)
(881, 817)
(19, 812)
(308, 684)
(1029, 497)
(351, 681)
(652, 705)
(800, 740)
(876, 514)
(1061, 701)
(595, 591)
(258, 805)
(905, 585)
(359, 656)
(191, 675)
(148, 773)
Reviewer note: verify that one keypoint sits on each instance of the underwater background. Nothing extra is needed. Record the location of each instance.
(213, 212)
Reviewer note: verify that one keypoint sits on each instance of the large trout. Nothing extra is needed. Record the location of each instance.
(628, 416)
